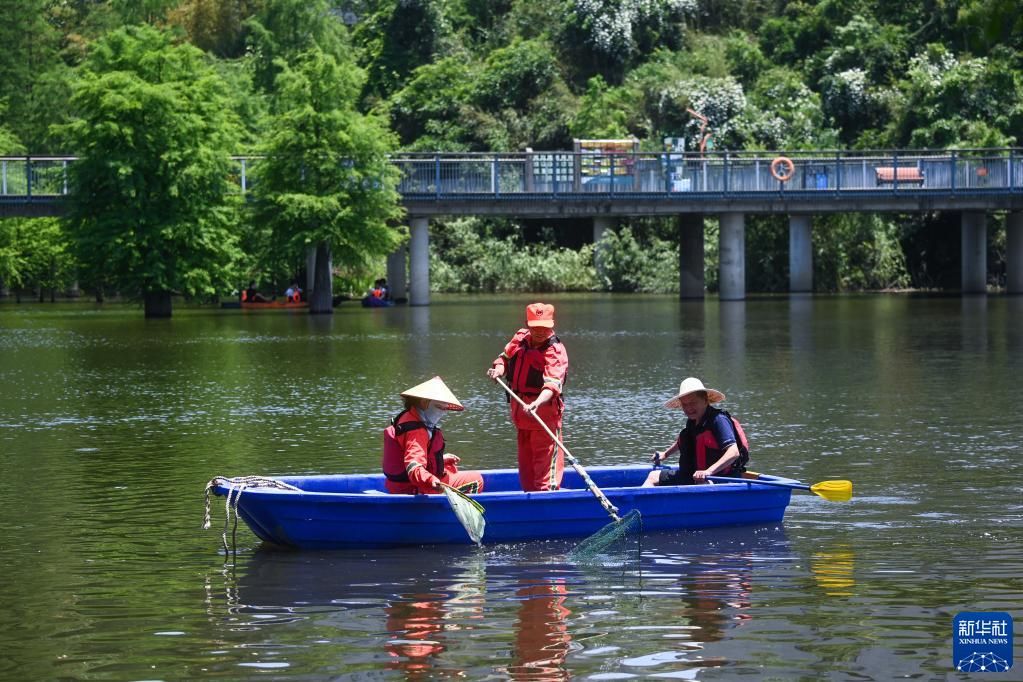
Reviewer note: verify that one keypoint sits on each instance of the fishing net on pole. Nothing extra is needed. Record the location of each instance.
(612, 544)
(468, 511)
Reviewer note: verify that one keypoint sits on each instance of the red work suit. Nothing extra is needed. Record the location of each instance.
(528, 371)
(414, 458)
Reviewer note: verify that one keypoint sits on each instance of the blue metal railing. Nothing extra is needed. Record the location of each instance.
(672, 176)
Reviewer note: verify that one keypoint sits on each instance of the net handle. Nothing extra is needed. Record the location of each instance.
(590, 485)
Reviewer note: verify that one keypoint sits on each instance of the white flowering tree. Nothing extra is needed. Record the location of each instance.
(617, 29)
(720, 100)
(783, 113)
(947, 101)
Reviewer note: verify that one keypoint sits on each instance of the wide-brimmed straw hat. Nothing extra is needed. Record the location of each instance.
(434, 389)
(539, 315)
(692, 385)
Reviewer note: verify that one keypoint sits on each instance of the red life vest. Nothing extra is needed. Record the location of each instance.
(245, 295)
(525, 368)
(703, 450)
(393, 464)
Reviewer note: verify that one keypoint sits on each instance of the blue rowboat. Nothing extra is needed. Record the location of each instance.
(354, 511)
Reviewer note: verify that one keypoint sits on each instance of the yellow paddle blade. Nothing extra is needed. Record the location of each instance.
(833, 491)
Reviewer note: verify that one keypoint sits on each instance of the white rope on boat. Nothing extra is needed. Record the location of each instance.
(239, 484)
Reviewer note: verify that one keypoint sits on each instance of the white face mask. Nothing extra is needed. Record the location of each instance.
(432, 413)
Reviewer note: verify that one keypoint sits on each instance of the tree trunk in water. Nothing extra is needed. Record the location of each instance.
(99, 293)
(322, 300)
(158, 304)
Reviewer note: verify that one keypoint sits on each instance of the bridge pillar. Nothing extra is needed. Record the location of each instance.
(397, 271)
(800, 254)
(974, 252)
(1014, 253)
(732, 254)
(601, 224)
(310, 271)
(419, 262)
(690, 256)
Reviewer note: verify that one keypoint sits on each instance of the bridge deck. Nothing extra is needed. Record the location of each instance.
(557, 184)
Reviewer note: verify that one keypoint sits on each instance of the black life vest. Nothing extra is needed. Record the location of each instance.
(393, 464)
(700, 450)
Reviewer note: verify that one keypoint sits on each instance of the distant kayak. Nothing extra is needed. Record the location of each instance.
(374, 302)
(272, 305)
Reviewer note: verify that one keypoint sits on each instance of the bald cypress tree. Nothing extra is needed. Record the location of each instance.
(153, 209)
(326, 181)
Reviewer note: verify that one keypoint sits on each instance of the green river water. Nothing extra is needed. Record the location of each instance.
(110, 426)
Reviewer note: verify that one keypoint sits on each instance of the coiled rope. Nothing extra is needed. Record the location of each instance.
(235, 486)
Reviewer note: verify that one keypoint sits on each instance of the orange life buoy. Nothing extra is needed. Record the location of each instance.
(790, 169)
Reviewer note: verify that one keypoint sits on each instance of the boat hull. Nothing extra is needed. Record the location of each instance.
(352, 511)
(273, 305)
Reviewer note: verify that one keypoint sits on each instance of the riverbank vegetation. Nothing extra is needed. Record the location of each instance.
(157, 92)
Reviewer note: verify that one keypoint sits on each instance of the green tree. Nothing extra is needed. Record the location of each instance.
(958, 102)
(153, 209)
(397, 37)
(783, 113)
(34, 253)
(9, 143)
(604, 112)
(28, 50)
(988, 24)
(142, 11)
(216, 26)
(435, 93)
(284, 29)
(326, 181)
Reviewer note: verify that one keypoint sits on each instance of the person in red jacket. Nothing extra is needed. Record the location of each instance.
(536, 364)
(414, 460)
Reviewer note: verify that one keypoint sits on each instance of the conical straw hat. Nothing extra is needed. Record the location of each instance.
(434, 389)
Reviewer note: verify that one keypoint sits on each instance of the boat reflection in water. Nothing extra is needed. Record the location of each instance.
(417, 629)
(703, 585)
(542, 639)
(520, 611)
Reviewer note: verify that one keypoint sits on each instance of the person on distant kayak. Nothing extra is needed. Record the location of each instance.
(252, 295)
(712, 443)
(414, 460)
(293, 294)
(536, 364)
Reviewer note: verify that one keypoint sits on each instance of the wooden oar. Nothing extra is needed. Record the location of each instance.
(590, 485)
(832, 491)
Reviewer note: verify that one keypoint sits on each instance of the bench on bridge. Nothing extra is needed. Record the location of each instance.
(909, 175)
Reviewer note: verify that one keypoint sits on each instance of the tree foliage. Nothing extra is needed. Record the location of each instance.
(503, 75)
(153, 210)
(284, 29)
(326, 181)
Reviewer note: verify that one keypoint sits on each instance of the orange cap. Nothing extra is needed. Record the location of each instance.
(539, 315)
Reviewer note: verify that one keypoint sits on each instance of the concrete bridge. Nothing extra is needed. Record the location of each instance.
(608, 186)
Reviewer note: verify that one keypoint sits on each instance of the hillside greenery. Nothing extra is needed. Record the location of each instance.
(205, 77)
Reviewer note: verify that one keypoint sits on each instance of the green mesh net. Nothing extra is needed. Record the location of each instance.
(469, 513)
(609, 544)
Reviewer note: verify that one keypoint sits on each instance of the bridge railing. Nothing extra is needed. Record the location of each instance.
(740, 173)
(558, 174)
